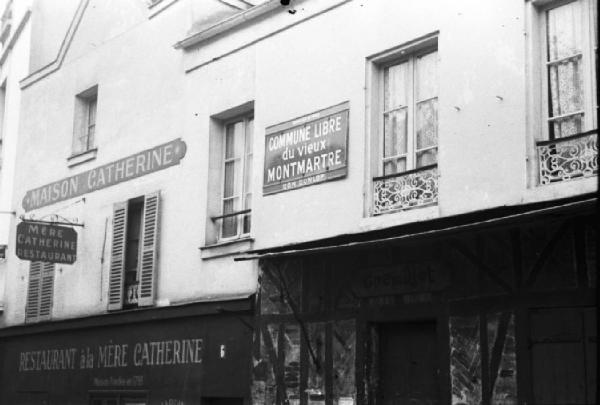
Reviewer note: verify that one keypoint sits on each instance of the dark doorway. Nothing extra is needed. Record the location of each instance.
(408, 359)
(563, 356)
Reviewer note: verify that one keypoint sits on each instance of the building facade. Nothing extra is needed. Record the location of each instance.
(323, 202)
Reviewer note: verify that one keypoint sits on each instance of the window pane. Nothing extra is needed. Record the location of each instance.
(427, 123)
(90, 137)
(249, 135)
(246, 219)
(566, 87)
(392, 166)
(92, 111)
(230, 179)
(229, 227)
(564, 33)
(234, 141)
(248, 174)
(427, 157)
(567, 126)
(395, 86)
(426, 76)
(394, 129)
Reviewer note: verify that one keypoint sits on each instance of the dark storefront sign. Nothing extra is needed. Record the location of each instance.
(171, 361)
(137, 165)
(46, 243)
(308, 150)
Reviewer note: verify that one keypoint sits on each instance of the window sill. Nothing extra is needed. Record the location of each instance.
(227, 248)
(82, 157)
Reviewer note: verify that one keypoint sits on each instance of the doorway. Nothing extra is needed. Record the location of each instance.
(563, 356)
(408, 363)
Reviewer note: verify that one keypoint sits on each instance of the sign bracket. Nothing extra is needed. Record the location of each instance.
(54, 221)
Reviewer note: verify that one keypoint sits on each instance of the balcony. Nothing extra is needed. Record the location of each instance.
(402, 191)
(568, 158)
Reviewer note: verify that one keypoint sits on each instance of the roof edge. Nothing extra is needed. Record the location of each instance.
(454, 223)
(228, 24)
(62, 52)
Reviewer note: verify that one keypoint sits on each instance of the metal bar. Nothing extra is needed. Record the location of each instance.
(418, 169)
(8, 212)
(568, 138)
(557, 61)
(231, 214)
(402, 107)
(35, 221)
(567, 115)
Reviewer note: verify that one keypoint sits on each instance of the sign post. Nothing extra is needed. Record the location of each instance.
(46, 243)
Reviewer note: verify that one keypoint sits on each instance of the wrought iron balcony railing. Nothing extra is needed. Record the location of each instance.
(401, 191)
(568, 158)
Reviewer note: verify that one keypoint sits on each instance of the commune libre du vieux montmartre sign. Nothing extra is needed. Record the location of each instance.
(136, 165)
(307, 150)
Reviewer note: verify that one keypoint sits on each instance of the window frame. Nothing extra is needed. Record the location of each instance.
(40, 292)
(148, 247)
(586, 19)
(374, 106)
(84, 132)
(411, 57)
(243, 213)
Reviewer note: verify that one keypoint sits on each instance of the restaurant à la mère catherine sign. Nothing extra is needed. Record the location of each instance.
(307, 150)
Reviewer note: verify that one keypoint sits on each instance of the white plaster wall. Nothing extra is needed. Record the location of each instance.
(14, 68)
(141, 104)
(308, 65)
(146, 98)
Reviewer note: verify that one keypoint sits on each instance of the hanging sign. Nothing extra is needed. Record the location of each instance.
(128, 168)
(46, 243)
(307, 150)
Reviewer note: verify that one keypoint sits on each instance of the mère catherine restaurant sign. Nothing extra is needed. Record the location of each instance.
(307, 150)
(46, 243)
(136, 165)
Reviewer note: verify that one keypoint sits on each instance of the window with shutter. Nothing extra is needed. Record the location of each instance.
(40, 292)
(148, 250)
(117, 256)
(134, 253)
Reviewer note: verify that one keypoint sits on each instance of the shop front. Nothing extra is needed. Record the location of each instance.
(192, 354)
(495, 307)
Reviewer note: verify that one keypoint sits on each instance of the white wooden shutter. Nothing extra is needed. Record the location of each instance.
(117, 257)
(148, 250)
(46, 291)
(33, 292)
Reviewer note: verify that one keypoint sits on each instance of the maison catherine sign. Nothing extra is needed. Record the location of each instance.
(307, 150)
(46, 243)
(130, 167)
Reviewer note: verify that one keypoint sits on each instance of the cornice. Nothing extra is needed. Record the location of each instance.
(228, 24)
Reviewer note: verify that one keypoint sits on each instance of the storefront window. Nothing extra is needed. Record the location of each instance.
(344, 352)
(465, 360)
(502, 358)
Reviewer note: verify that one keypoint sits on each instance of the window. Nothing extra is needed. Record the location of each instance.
(237, 179)
(85, 121)
(403, 121)
(40, 292)
(134, 253)
(569, 37)
(409, 124)
(564, 45)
